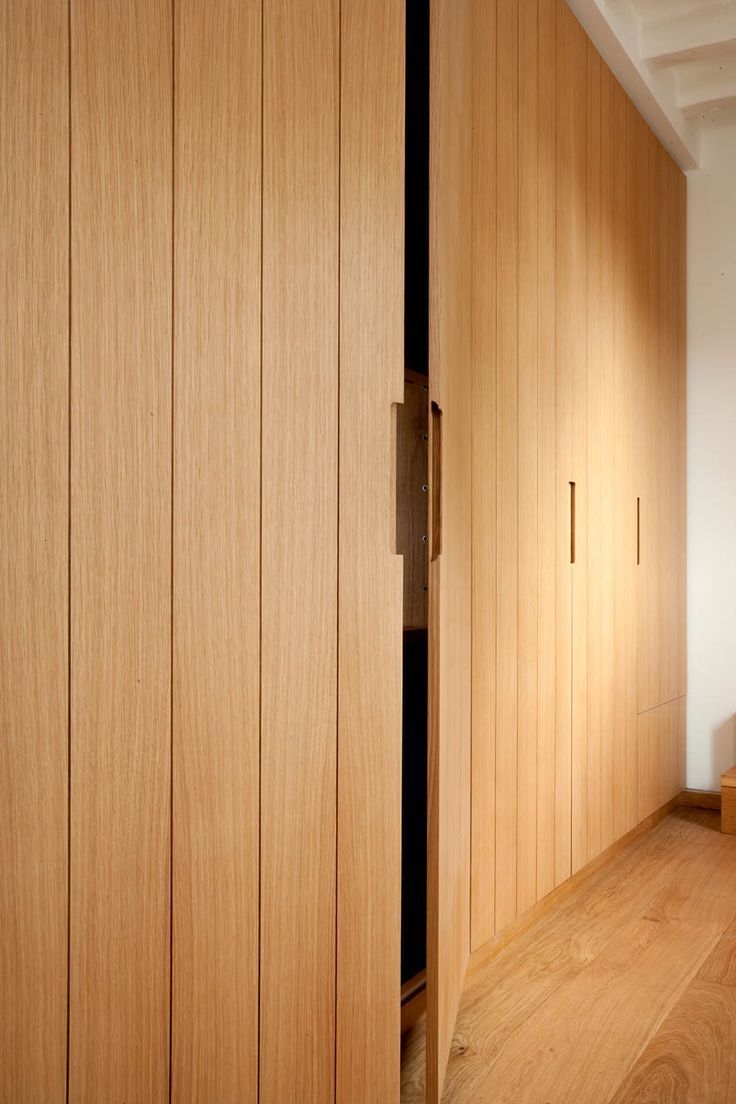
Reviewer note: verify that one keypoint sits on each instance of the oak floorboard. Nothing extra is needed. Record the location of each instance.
(564, 1011)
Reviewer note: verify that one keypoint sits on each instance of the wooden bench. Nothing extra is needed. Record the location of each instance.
(728, 802)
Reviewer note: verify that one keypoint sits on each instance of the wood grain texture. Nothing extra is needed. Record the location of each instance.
(603, 462)
(217, 373)
(692, 1056)
(658, 767)
(483, 433)
(563, 1011)
(547, 446)
(34, 502)
(627, 170)
(700, 799)
(528, 458)
(575, 384)
(661, 445)
(121, 114)
(299, 550)
(448, 931)
(589, 578)
(682, 313)
(570, 352)
(507, 457)
(370, 574)
(728, 809)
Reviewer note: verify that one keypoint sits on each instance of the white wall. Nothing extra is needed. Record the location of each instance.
(712, 460)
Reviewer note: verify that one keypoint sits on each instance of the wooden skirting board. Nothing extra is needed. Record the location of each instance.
(700, 799)
(413, 994)
(481, 956)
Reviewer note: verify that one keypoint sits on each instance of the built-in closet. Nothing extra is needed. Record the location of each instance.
(342, 407)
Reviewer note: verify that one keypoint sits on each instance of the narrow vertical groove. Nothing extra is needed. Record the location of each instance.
(171, 492)
(537, 451)
(69, 571)
(472, 465)
(260, 578)
(518, 434)
(554, 357)
(495, 451)
(337, 530)
(495, 529)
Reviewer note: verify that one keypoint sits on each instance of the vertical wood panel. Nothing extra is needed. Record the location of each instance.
(483, 681)
(217, 315)
(612, 227)
(588, 620)
(626, 179)
(672, 539)
(370, 576)
(603, 333)
(658, 776)
(299, 550)
(547, 448)
(507, 459)
(34, 382)
(448, 935)
(528, 422)
(650, 398)
(574, 334)
(681, 292)
(570, 349)
(121, 549)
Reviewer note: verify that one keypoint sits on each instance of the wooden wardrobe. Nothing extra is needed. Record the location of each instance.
(201, 357)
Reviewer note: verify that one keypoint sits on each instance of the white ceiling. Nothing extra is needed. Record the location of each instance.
(676, 59)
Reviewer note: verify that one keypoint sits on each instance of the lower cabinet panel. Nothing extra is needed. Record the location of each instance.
(660, 737)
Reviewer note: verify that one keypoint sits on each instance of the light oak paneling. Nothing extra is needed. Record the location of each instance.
(483, 680)
(577, 205)
(448, 931)
(507, 457)
(577, 385)
(370, 574)
(570, 353)
(658, 767)
(528, 448)
(121, 113)
(681, 291)
(603, 462)
(216, 560)
(34, 502)
(299, 550)
(587, 611)
(626, 168)
(547, 447)
(661, 444)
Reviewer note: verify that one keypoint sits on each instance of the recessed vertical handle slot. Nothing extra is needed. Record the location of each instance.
(638, 531)
(572, 523)
(436, 482)
(394, 477)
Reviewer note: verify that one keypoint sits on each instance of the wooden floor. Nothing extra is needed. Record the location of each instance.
(624, 994)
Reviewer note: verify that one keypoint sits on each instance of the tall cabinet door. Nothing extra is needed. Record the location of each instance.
(369, 574)
(34, 508)
(448, 934)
